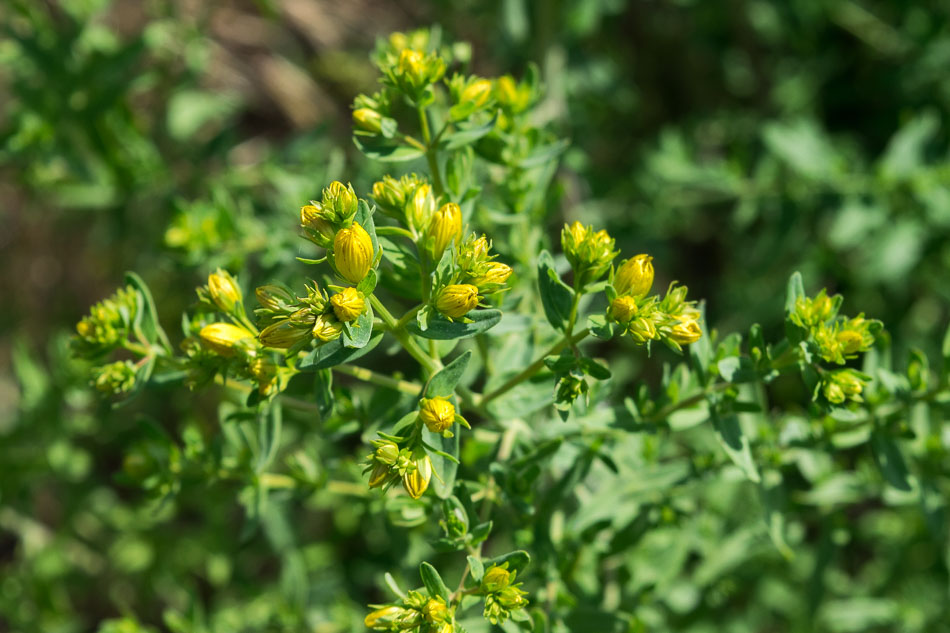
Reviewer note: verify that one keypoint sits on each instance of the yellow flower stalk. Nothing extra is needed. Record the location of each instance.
(444, 228)
(437, 413)
(348, 305)
(634, 276)
(457, 300)
(223, 338)
(353, 253)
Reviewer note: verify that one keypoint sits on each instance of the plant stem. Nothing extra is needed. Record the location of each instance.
(430, 365)
(369, 375)
(430, 150)
(395, 230)
(536, 366)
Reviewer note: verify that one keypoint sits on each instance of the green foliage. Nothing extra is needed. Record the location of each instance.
(448, 405)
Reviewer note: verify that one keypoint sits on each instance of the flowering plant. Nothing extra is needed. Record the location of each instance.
(497, 423)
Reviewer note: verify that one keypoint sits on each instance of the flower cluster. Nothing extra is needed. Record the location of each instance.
(835, 339)
(418, 613)
(108, 324)
(502, 595)
(671, 319)
(291, 322)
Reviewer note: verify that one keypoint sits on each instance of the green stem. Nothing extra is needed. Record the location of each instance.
(408, 316)
(395, 230)
(408, 343)
(536, 366)
(431, 151)
(368, 375)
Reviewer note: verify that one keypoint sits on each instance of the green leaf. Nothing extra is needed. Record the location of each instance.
(794, 290)
(476, 568)
(384, 150)
(357, 334)
(441, 329)
(736, 444)
(517, 560)
(443, 383)
(945, 352)
(433, 582)
(544, 154)
(146, 318)
(890, 461)
(466, 135)
(445, 467)
(335, 353)
(737, 369)
(268, 424)
(556, 296)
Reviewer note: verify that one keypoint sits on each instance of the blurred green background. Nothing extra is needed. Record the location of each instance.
(736, 141)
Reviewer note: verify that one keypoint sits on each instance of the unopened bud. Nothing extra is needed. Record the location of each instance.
(457, 300)
(367, 120)
(493, 275)
(416, 481)
(353, 253)
(315, 222)
(326, 328)
(224, 290)
(348, 305)
(340, 202)
(444, 228)
(634, 276)
(496, 579)
(284, 334)
(686, 331)
(437, 413)
(623, 308)
(223, 338)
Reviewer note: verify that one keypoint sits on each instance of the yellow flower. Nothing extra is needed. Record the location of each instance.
(353, 253)
(368, 120)
(223, 338)
(340, 202)
(496, 579)
(493, 275)
(416, 481)
(437, 413)
(224, 290)
(589, 252)
(326, 328)
(348, 305)
(477, 92)
(457, 300)
(851, 342)
(381, 619)
(421, 207)
(314, 222)
(444, 228)
(634, 276)
(284, 334)
(435, 610)
(622, 309)
(686, 331)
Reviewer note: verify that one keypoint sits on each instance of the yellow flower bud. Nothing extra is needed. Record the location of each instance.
(496, 579)
(326, 328)
(264, 372)
(390, 195)
(686, 331)
(313, 219)
(353, 253)
(642, 329)
(437, 413)
(457, 300)
(494, 274)
(589, 252)
(339, 202)
(435, 610)
(379, 475)
(478, 92)
(444, 228)
(224, 290)
(284, 334)
(223, 338)
(851, 342)
(367, 120)
(412, 66)
(833, 392)
(416, 481)
(506, 91)
(348, 305)
(421, 207)
(623, 308)
(382, 619)
(634, 276)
